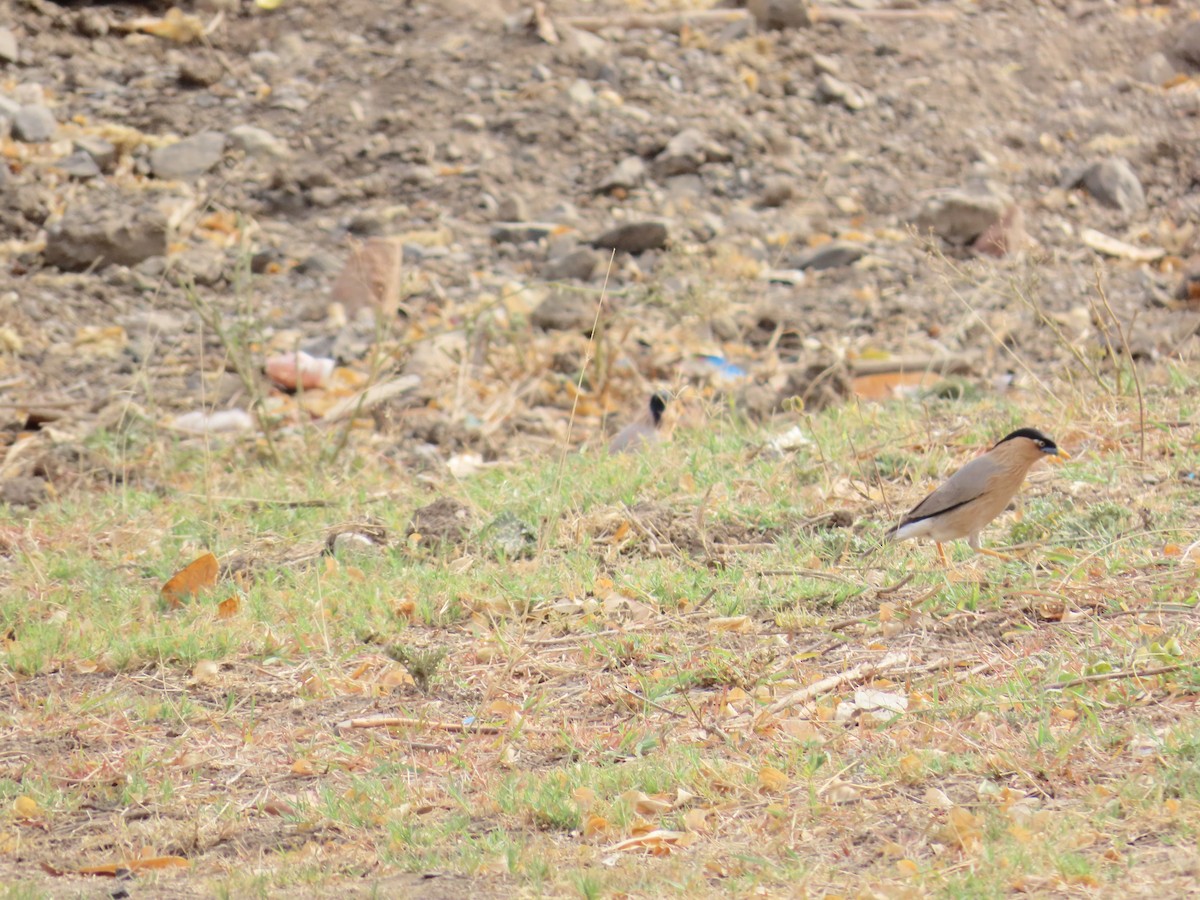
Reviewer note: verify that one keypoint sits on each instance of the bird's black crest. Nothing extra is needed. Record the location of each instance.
(658, 405)
(1033, 434)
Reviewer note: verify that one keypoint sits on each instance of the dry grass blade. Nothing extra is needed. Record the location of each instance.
(1115, 676)
(406, 722)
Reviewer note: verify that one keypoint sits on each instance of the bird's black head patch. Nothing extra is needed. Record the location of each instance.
(658, 405)
(1045, 444)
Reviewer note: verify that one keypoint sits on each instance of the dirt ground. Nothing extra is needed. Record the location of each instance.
(438, 122)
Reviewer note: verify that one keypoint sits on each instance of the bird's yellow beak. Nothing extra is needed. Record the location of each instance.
(1060, 455)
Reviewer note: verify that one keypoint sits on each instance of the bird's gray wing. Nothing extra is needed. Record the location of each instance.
(967, 484)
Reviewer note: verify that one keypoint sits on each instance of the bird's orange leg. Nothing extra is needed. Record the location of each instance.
(942, 555)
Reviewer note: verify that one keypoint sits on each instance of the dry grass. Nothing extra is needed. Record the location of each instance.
(695, 685)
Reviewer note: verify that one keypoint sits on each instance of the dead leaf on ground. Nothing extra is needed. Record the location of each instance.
(659, 842)
(145, 863)
(176, 26)
(739, 624)
(190, 580)
(772, 779)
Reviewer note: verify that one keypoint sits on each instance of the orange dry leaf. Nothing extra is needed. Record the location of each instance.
(658, 842)
(200, 574)
(26, 807)
(223, 221)
(771, 779)
(645, 805)
(741, 624)
(696, 820)
(964, 829)
(143, 863)
(228, 608)
(175, 26)
(887, 385)
(595, 825)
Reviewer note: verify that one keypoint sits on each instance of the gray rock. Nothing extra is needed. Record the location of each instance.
(960, 216)
(418, 176)
(34, 124)
(776, 192)
(833, 255)
(634, 237)
(8, 107)
(521, 232)
(581, 94)
(9, 53)
(1154, 69)
(1187, 45)
(200, 72)
(578, 264)
(512, 209)
(91, 23)
(684, 154)
(79, 165)
(1114, 183)
(826, 65)
(204, 265)
(565, 311)
(123, 233)
(687, 152)
(833, 90)
(628, 174)
(255, 141)
(190, 157)
(102, 151)
(319, 262)
(685, 187)
(471, 122)
(778, 14)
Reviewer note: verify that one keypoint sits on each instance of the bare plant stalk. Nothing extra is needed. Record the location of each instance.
(1137, 381)
(941, 257)
(589, 355)
(239, 355)
(1063, 340)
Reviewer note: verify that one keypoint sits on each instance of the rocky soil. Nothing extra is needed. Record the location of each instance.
(458, 184)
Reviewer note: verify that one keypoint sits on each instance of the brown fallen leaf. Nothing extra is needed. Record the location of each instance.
(193, 578)
(138, 864)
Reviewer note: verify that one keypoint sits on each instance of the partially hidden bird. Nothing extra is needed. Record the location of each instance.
(978, 492)
(642, 430)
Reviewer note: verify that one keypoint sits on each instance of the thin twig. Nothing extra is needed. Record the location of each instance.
(405, 722)
(892, 588)
(1113, 676)
(641, 698)
(833, 682)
